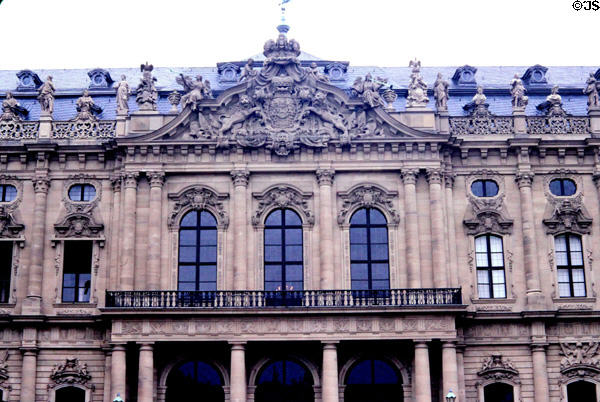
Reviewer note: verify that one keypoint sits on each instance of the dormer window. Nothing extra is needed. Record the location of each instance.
(535, 75)
(465, 75)
(82, 193)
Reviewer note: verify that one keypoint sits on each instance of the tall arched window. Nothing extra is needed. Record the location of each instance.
(369, 260)
(581, 391)
(373, 381)
(284, 381)
(569, 264)
(498, 392)
(283, 251)
(489, 257)
(198, 251)
(70, 394)
(195, 380)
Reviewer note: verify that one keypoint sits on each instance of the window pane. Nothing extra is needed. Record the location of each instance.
(555, 187)
(293, 253)
(75, 192)
(377, 218)
(272, 236)
(499, 291)
(292, 218)
(379, 252)
(477, 188)
(576, 258)
(483, 276)
(273, 253)
(190, 219)
(187, 286)
(208, 237)
(569, 186)
(187, 273)
(207, 286)
(379, 235)
(563, 275)
(207, 219)
(359, 217)
(497, 260)
(495, 244)
(293, 236)
(481, 244)
(498, 276)
(272, 286)
(11, 193)
(274, 218)
(491, 188)
(89, 192)
(295, 285)
(68, 295)
(187, 254)
(481, 260)
(358, 235)
(293, 273)
(69, 280)
(564, 290)
(483, 291)
(360, 285)
(359, 271)
(208, 273)
(84, 280)
(578, 275)
(575, 243)
(381, 284)
(358, 252)
(273, 273)
(208, 254)
(560, 243)
(561, 258)
(579, 289)
(380, 271)
(187, 237)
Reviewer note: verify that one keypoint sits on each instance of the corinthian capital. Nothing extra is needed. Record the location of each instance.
(449, 178)
(325, 177)
(524, 179)
(41, 184)
(240, 177)
(130, 179)
(409, 176)
(434, 176)
(115, 181)
(156, 179)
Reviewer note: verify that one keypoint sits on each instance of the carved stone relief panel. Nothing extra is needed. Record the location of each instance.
(566, 213)
(580, 361)
(369, 196)
(197, 198)
(283, 196)
(10, 218)
(486, 214)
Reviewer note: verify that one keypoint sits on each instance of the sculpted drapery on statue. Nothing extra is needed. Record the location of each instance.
(11, 109)
(417, 88)
(46, 96)
(440, 92)
(86, 108)
(122, 96)
(517, 91)
(146, 93)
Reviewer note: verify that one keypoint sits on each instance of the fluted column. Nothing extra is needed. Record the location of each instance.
(409, 177)
(238, 372)
(41, 185)
(540, 374)
(422, 376)
(449, 368)
(438, 249)
(28, 375)
(240, 266)
(156, 180)
(118, 378)
(452, 256)
(532, 275)
(146, 374)
(330, 387)
(325, 179)
(130, 181)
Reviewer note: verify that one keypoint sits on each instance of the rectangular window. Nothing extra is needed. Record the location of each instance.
(569, 265)
(6, 250)
(489, 259)
(77, 271)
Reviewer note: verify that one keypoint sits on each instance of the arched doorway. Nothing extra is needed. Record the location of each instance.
(70, 394)
(498, 392)
(581, 391)
(373, 380)
(194, 381)
(284, 381)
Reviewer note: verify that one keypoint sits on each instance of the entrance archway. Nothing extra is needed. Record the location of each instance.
(373, 380)
(498, 392)
(284, 381)
(70, 394)
(581, 391)
(194, 381)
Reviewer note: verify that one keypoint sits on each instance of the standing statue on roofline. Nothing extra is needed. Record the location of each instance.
(591, 90)
(46, 96)
(146, 93)
(122, 96)
(11, 109)
(417, 88)
(440, 93)
(518, 91)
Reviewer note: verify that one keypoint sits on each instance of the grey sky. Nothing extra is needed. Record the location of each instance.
(125, 33)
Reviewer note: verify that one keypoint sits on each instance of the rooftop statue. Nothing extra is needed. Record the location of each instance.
(440, 93)
(368, 90)
(517, 91)
(146, 93)
(591, 90)
(196, 90)
(11, 110)
(553, 103)
(86, 108)
(122, 96)
(478, 105)
(417, 88)
(248, 72)
(46, 96)
(313, 71)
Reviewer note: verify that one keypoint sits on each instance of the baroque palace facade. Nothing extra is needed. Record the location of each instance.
(295, 229)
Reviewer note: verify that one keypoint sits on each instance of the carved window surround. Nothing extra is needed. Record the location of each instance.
(566, 213)
(487, 214)
(588, 260)
(11, 230)
(574, 303)
(580, 362)
(71, 373)
(498, 369)
(59, 246)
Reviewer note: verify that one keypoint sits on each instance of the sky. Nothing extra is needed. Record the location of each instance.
(62, 34)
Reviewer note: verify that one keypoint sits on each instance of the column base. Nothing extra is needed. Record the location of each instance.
(535, 300)
(32, 305)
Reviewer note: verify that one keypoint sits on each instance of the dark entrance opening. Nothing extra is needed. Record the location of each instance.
(194, 381)
(284, 381)
(498, 392)
(373, 381)
(70, 394)
(581, 391)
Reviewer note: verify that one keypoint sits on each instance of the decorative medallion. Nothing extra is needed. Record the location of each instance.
(282, 197)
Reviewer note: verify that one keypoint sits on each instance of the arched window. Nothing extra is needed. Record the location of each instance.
(581, 391)
(82, 192)
(484, 188)
(498, 392)
(283, 251)
(373, 381)
(569, 264)
(369, 261)
(69, 394)
(198, 251)
(195, 378)
(284, 381)
(489, 257)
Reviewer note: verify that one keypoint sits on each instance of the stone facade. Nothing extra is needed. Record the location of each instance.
(286, 137)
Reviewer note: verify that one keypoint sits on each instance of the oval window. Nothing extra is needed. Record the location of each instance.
(484, 188)
(82, 192)
(8, 193)
(563, 187)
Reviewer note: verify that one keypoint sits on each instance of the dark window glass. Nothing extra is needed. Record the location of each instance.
(563, 187)
(195, 378)
(283, 381)
(498, 392)
(70, 394)
(283, 251)
(489, 258)
(6, 249)
(8, 193)
(373, 380)
(569, 265)
(581, 391)
(369, 260)
(82, 192)
(484, 188)
(198, 251)
(77, 271)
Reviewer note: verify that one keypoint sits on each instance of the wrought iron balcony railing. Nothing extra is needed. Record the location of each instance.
(251, 299)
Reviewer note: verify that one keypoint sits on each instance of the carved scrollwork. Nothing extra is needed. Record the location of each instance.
(198, 198)
(557, 123)
(10, 219)
(368, 195)
(82, 207)
(18, 130)
(580, 360)
(487, 214)
(70, 372)
(566, 213)
(283, 196)
(496, 368)
(83, 129)
(3, 366)
(78, 225)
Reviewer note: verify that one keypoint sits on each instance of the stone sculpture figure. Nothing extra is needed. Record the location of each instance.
(517, 91)
(440, 93)
(479, 98)
(554, 98)
(146, 93)
(11, 110)
(313, 71)
(553, 103)
(368, 90)
(248, 72)
(196, 89)
(478, 105)
(591, 90)
(86, 108)
(46, 96)
(417, 88)
(122, 96)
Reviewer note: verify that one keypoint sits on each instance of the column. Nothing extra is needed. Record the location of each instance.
(128, 232)
(452, 256)
(118, 379)
(156, 180)
(449, 369)
(41, 185)
(240, 267)
(238, 372)
(436, 208)
(460, 358)
(113, 278)
(107, 369)
(422, 377)
(146, 374)
(326, 222)
(330, 388)
(534, 292)
(409, 177)
(540, 374)
(28, 375)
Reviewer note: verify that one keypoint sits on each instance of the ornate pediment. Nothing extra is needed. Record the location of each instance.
(496, 368)
(9, 227)
(487, 214)
(283, 197)
(197, 198)
(78, 225)
(370, 196)
(70, 372)
(580, 359)
(567, 214)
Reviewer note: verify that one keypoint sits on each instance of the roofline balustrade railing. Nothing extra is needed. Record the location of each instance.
(253, 299)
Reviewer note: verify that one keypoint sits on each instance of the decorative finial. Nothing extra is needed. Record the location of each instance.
(283, 28)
